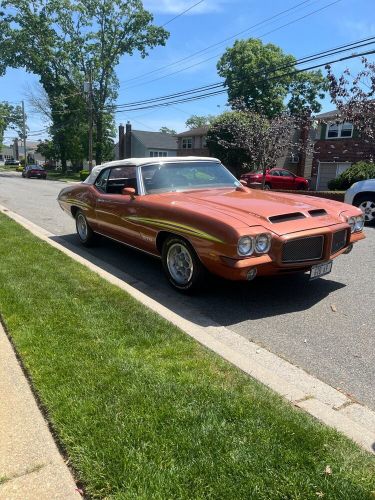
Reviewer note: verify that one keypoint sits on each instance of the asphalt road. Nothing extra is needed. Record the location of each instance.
(326, 326)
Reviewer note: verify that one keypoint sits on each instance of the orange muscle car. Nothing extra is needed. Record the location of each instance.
(196, 216)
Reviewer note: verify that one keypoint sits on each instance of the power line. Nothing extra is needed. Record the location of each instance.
(182, 13)
(303, 60)
(218, 55)
(210, 94)
(217, 43)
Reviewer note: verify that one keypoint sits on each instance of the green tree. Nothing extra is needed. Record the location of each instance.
(263, 78)
(166, 130)
(10, 118)
(197, 121)
(67, 42)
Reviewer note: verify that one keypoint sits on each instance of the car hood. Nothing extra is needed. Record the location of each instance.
(280, 213)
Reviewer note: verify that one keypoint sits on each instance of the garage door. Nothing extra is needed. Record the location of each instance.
(328, 171)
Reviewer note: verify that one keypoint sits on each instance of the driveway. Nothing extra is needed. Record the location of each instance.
(326, 326)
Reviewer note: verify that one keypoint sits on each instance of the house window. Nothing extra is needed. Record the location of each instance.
(339, 130)
(187, 143)
(156, 154)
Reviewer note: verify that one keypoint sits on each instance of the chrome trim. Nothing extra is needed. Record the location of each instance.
(141, 187)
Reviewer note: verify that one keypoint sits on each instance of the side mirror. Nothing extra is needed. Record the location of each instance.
(129, 192)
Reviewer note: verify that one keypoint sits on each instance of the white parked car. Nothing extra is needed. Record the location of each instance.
(362, 195)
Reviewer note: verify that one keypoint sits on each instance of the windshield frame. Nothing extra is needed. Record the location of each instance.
(143, 190)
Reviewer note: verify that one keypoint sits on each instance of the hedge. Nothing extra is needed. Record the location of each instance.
(358, 172)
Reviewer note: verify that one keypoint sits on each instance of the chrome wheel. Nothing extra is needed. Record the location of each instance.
(368, 209)
(180, 263)
(82, 228)
(267, 187)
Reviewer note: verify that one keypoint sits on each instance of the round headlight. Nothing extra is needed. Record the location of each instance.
(262, 243)
(359, 223)
(245, 245)
(352, 222)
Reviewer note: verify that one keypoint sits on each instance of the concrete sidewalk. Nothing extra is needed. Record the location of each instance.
(31, 466)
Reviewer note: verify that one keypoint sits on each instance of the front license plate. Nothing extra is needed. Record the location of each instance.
(320, 270)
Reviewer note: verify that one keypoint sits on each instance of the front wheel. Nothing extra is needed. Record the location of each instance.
(181, 265)
(85, 234)
(366, 203)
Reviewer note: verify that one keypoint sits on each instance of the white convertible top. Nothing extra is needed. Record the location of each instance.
(144, 161)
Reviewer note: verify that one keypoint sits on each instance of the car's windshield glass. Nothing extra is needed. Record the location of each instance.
(35, 167)
(183, 176)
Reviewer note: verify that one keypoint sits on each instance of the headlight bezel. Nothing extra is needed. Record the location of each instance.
(361, 220)
(269, 240)
(251, 244)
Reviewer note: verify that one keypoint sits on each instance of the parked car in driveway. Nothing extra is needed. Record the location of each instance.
(276, 178)
(362, 195)
(11, 162)
(194, 215)
(34, 171)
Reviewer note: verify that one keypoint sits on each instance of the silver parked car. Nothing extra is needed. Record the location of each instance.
(362, 195)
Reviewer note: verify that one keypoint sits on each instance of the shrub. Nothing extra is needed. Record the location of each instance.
(358, 172)
(83, 174)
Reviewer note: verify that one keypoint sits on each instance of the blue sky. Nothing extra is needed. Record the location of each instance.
(208, 23)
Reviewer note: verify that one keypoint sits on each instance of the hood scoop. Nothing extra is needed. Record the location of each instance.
(317, 212)
(286, 217)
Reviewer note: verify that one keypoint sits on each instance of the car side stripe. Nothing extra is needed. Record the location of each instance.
(165, 224)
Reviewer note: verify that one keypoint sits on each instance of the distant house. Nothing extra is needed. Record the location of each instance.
(193, 142)
(337, 147)
(6, 153)
(141, 144)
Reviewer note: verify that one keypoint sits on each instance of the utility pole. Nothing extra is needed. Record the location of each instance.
(88, 89)
(24, 131)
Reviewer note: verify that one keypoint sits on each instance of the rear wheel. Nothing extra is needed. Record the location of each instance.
(181, 265)
(85, 234)
(366, 202)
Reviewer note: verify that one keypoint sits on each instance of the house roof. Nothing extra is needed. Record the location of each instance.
(329, 114)
(194, 132)
(156, 140)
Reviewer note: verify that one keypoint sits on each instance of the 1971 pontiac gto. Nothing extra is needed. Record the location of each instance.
(196, 216)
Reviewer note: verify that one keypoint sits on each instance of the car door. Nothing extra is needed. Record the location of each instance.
(287, 180)
(113, 208)
(274, 178)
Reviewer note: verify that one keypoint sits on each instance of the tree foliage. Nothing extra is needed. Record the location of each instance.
(246, 140)
(264, 78)
(197, 121)
(353, 97)
(66, 41)
(166, 130)
(10, 118)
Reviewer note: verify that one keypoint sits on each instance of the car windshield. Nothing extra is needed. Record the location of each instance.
(184, 176)
(35, 167)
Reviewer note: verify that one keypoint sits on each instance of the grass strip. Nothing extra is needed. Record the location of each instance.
(61, 176)
(146, 412)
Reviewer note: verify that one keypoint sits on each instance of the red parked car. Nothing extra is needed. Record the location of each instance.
(34, 171)
(276, 178)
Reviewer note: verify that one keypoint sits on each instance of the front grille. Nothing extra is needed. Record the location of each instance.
(338, 240)
(302, 249)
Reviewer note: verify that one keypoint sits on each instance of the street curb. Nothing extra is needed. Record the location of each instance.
(306, 392)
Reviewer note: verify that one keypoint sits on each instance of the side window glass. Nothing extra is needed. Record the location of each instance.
(102, 180)
(275, 172)
(120, 178)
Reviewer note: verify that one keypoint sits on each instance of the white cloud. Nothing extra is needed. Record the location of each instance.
(178, 6)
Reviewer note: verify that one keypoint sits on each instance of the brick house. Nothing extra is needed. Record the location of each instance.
(337, 147)
(193, 142)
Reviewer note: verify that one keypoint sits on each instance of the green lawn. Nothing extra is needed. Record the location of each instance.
(143, 410)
